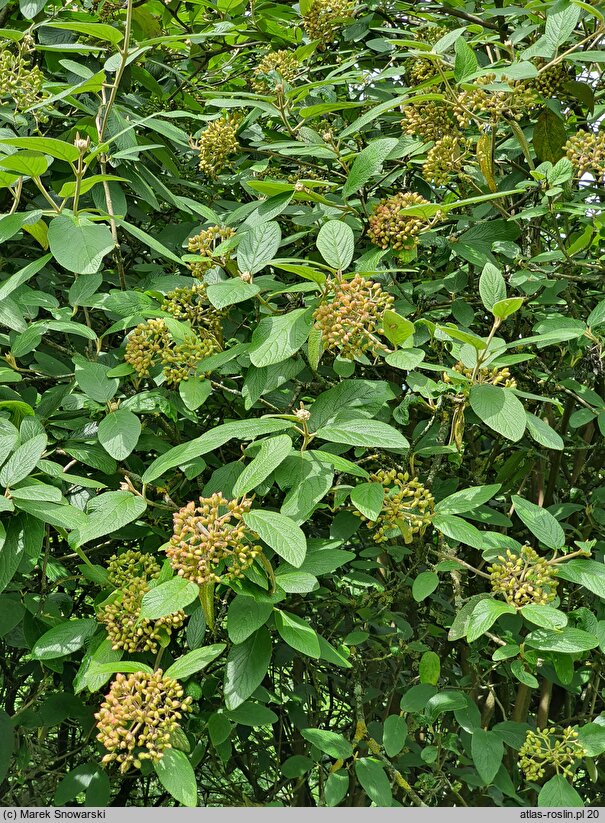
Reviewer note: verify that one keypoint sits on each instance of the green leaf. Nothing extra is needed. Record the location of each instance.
(592, 738)
(396, 328)
(271, 454)
(374, 781)
(424, 585)
(368, 163)
(194, 392)
(168, 598)
(119, 433)
(368, 499)
(336, 244)
(499, 409)
(484, 615)
(559, 26)
(504, 308)
(148, 240)
(78, 244)
(587, 573)
(23, 461)
(429, 668)
(113, 510)
(465, 63)
(280, 533)
(567, 641)
(247, 665)
(540, 522)
(98, 31)
(176, 775)
(258, 247)
(277, 338)
(487, 751)
(194, 661)
(25, 163)
(63, 639)
(45, 145)
(252, 714)
(330, 743)
(362, 432)
(297, 633)
(542, 433)
(458, 529)
(558, 793)
(550, 136)
(79, 780)
(394, 735)
(467, 500)
(17, 279)
(92, 379)
(245, 616)
(547, 617)
(229, 292)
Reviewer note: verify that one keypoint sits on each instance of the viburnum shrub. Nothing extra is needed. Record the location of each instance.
(302, 403)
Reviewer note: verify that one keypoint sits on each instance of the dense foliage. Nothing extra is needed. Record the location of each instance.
(303, 403)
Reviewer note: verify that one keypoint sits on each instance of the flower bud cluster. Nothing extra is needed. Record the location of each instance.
(495, 376)
(211, 540)
(205, 243)
(138, 717)
(131, 573)
(429, 119)
(524, 578)
(325, 18)
(19, 81)
(180, 360)
(551, 81)
(191, 304)
(408, 506)
(216, 143)
(550, 749)
(399, 231)
(419, 69)
(494, 104)
(352, 319)
(586, 151)
(445, 159)
(273, 68)
(145, 345)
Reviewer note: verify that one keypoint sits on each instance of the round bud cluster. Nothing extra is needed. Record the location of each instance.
(350, 321)
(145, 345)
(390, 228)
(215, 145)
(550, 749)
(586, 151)
(211, 540)
(191, 304)
(325, 18)
(282, 63)
(445, 159)
(408, 506)
(419, 69)
(107, 10)
(205, 243)
(180, 360)
(494, 104)
(138, 717)
(19, 81)
(524, 578)
(130, 573)
(551, 81)
(430, 34)
(495, 376)
(429, 120)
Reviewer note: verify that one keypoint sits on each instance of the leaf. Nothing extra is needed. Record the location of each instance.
(63, 639)
(499, 409)
(567, 641)
(92, 379)
(424, 585)
(176, 775)
(258, 247)
(168, 598)
(280, 533)
(209, 441)
(46, 145)
(23, 461)
(504, 308)
(549, 136)
(487, 751)
(397, 329)
(484, 615)
(78, 244)
(148, 240)
(559, 26)
(370, 433)
(458, 529)
(271, 454)
(119, 433)
(367, 164)
(79, 780)
(429, 668)
(330, 743)
(465, 63)
(540, 522)
(547, 617)
(194, 661)
(395, 732)
(368, 499)
(253, 714)
(275, 339)
(25, 163)
(542, 433)
(98, 31)
(245, 616)
(297, 633)
(587, 573)
(467, 500)
(194, 392)
(558, 793)
(113, 511)
(336, 244)
(374, 781)
(17, 279)
(247, 665)
(229, 292)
